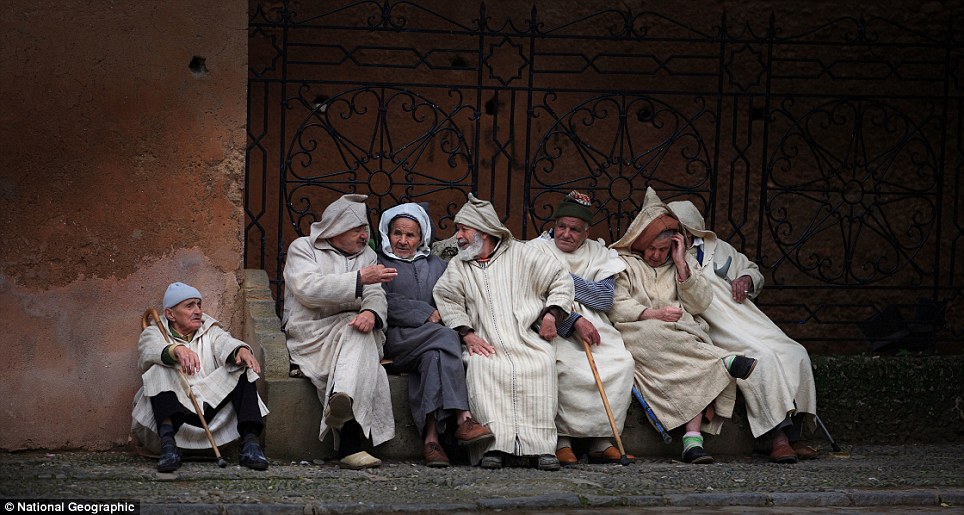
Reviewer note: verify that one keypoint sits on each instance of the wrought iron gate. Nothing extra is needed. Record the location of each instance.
(830, 153)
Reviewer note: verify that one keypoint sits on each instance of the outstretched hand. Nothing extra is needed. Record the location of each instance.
(374, 274)
(245, 358)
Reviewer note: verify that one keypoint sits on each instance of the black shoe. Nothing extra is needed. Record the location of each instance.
(548, 462)
(253, 457)
(742, 367)
(491, 460)
(697, 455)
(170, 455)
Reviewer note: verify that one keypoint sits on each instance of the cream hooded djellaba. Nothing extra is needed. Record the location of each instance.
(514, 391)
(322, 294)
(678, 369)
(218, 377)
(782, 384)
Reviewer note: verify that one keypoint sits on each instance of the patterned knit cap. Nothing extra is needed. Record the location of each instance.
(576, 205)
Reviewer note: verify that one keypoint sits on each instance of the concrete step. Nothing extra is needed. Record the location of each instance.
(291, 430)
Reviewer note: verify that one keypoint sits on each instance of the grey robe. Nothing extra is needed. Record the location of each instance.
(430, 353)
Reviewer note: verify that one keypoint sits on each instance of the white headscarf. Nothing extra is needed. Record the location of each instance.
(411, 211)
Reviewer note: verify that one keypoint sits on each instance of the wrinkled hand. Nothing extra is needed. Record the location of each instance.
(741, 287)
(364, 322)
(373, 274)
(476, 345)
(587, 331)
(188, 359)
(678, 249)
(244, 357)
(547, 331)
(667, 314)
(434, 318)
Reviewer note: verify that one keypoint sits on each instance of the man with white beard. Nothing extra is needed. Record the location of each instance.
(505, 300)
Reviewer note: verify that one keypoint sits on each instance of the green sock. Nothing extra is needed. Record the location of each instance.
(728, 361)
(692, 439)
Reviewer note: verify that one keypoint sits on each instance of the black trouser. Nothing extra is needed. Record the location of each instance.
(244, 399)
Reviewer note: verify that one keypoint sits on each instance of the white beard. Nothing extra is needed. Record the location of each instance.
(471, 252)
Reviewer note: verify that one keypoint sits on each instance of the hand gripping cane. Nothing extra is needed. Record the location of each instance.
(623, 459)
(197, 408)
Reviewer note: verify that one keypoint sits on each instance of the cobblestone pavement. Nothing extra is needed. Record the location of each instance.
(888, 478)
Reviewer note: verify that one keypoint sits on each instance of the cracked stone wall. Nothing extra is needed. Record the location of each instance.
(121, 170)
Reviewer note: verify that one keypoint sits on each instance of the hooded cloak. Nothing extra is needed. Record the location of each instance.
(782, 383)
(678, 369)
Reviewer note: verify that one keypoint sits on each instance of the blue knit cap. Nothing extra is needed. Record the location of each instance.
(179, 292)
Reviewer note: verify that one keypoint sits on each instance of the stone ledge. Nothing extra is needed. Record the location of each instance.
(873, 399)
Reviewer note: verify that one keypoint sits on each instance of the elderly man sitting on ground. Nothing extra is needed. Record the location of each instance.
(219, 368)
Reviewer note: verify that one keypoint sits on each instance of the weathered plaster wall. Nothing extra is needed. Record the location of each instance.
(121, 170)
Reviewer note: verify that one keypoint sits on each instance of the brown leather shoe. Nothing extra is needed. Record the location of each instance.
(434, 455)
(782, 452)
(804, 451)
(471, 432)
(566, 457)
(610, 455)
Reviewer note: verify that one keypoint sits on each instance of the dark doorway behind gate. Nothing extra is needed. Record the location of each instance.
(826, 147)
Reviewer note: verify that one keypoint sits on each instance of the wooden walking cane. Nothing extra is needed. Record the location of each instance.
(623, 459)
(197, 408)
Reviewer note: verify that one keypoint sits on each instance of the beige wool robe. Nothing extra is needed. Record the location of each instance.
(581, 413)
(782, 383)
(212, 384)
(320, 300)
(514, 391)
(678, 369)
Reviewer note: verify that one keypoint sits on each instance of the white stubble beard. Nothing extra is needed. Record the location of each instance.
(472, 251)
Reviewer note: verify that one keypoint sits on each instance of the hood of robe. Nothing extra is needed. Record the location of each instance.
(346, 213)
(653, 218)
(691, 218)
(480, 215)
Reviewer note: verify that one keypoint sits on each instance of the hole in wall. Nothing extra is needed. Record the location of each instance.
(197, 66)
